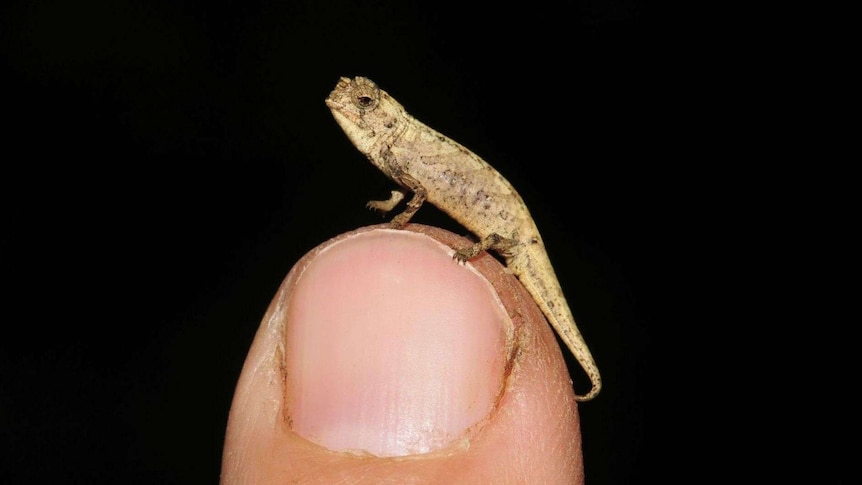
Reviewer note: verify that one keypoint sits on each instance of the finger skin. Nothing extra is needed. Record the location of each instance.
(532, 435)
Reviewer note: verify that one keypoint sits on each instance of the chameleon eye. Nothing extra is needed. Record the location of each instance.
(364, 94)
(364, 101)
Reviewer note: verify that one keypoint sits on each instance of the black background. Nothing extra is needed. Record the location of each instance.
(166, 163)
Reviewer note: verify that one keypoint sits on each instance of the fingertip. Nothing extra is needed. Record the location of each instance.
(527, 428)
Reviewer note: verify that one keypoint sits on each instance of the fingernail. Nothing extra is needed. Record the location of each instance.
(391, 347)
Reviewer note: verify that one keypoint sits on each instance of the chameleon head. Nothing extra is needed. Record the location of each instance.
(367, 114)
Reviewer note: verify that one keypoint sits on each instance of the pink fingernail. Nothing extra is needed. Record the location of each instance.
(391, 347)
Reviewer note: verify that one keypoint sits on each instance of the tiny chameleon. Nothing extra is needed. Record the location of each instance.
(440, 170)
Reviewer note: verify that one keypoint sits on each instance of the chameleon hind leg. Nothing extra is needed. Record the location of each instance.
(492, 241)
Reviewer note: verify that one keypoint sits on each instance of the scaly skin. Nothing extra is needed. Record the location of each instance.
(445, 173)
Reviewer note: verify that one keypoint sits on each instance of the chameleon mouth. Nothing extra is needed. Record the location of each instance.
(340, 103)
(340, 88)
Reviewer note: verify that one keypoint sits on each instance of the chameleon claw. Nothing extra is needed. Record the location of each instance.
(384, 206)
(374, 208)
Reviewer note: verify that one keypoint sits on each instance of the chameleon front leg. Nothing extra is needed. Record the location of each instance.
(419, 195)
(492, 241)
(385, 206)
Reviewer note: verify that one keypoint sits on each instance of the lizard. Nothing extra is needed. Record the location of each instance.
(441, 171)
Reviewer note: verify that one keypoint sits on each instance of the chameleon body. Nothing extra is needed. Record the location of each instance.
(445, 173)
